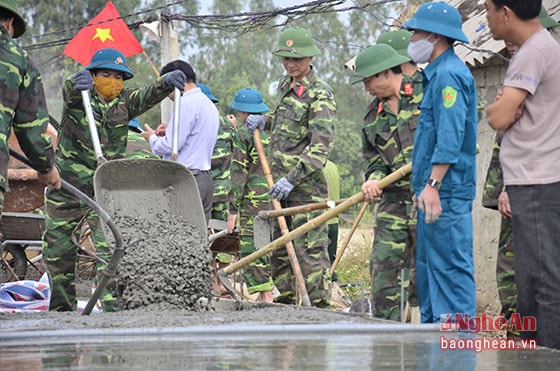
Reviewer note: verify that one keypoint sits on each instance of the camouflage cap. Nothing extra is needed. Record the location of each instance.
(398, 40)
(375, 59)
(546, 20)
(296, 42)
(19, 23)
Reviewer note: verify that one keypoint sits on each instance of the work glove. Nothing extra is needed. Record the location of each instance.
(256, 122)
(176, 79)
(83, 80)
(281, 189)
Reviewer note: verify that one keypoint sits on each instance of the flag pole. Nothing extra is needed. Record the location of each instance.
(154, 68)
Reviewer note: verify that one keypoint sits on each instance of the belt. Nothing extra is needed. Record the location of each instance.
(196, 172)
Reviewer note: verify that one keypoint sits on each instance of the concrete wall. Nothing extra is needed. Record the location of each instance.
(486, 222)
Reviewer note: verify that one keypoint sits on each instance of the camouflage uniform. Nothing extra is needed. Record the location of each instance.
(302, 128)
(505, 273)
(249, 195)
(23, 106)
(137, 146)
(77, 162)
(221, 169)
(387, 145)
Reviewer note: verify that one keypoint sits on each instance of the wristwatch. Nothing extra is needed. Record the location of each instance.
(434, 183)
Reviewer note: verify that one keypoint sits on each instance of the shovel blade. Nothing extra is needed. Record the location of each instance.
(145, 189)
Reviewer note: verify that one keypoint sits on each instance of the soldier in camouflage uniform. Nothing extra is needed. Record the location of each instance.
(221, 162)
(24, 107)
(493, 192)
(302, 126)
(249, 191)
(113, 107)
(387, 139)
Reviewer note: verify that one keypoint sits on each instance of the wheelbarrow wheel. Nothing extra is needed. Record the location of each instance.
(14, 263)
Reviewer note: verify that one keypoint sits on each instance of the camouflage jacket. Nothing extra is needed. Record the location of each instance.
(137, 146)
(302, 126)
(249, 189)
(75, 155)
(387, 139)
(494, 184)
(221, 160)
(24, 108)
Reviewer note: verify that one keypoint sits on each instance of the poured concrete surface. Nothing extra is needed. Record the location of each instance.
(241, 336)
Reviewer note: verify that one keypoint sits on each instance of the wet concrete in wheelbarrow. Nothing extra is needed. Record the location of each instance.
(169, 321)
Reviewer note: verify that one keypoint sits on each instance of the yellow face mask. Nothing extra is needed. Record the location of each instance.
(108, 87)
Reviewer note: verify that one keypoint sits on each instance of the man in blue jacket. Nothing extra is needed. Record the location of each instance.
(443, 173)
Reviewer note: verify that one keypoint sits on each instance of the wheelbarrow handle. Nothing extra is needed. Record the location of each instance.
(92, 127)
(313, 223)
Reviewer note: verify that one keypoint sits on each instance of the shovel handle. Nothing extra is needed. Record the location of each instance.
(349, 237)
(92, 127)
(268, 214)
(296, 268)
(313, 223)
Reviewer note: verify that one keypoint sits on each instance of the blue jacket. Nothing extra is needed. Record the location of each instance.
(447, 127)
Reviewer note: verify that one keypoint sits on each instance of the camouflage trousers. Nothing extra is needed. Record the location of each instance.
(505, 273)
(257, 273)
(392, 260)
(63, 213)
(311, 251)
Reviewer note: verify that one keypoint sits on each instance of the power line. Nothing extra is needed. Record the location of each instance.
(235, 24)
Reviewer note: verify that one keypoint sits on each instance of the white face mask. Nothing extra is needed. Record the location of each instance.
(420, 51)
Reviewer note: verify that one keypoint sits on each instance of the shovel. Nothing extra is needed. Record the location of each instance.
(313, 223)
(118, 252)
(296, 269)
(146, 188)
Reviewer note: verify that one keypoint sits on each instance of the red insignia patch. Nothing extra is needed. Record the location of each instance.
(300, 90)
(379, 108)
(408, 88)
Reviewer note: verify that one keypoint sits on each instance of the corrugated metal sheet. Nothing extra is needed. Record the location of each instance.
(476, 28)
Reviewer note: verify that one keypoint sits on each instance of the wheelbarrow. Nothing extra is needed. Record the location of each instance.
(143, 188)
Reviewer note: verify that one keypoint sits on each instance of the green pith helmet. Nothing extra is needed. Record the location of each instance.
(296, 42)
(545, 19)
(19, 23)
(375, 59)
(398, 40)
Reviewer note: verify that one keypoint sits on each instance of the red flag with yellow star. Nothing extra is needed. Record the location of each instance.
(98, 34)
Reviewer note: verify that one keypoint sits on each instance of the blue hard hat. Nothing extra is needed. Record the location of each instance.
(248, 100)
(208, 92)
(110, 59)
(439, 18)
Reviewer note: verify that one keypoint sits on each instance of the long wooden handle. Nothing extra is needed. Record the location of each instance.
(348, 237)
(313, 223)
(300, 281)
(267, 214)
